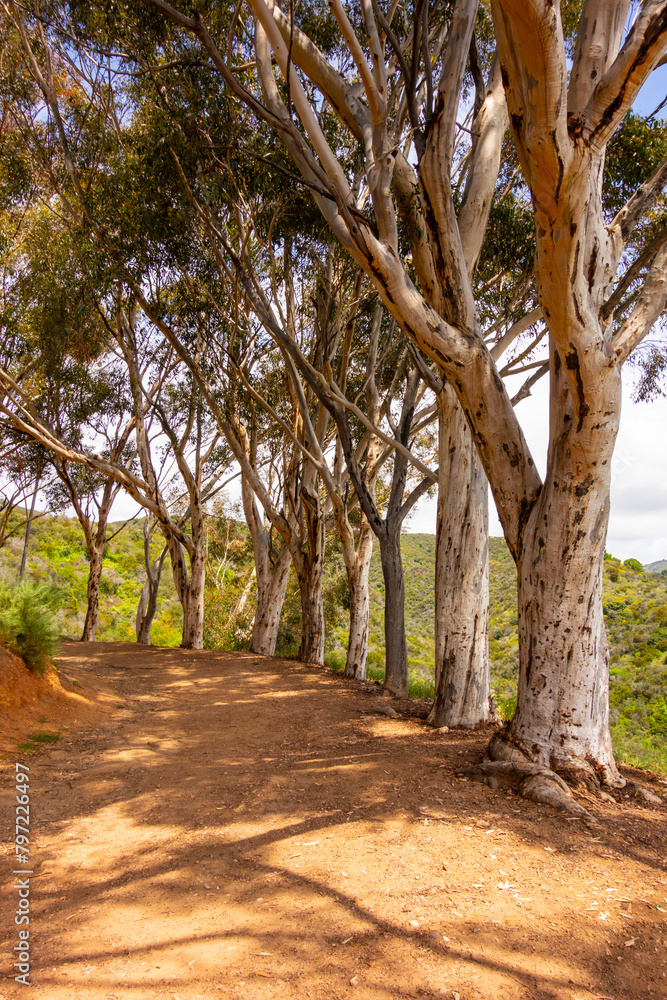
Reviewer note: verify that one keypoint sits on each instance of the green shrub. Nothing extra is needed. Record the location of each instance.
(335, 660)
(29, 625)
(506, 707)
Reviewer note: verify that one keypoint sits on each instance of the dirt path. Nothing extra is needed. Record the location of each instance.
(237, 827)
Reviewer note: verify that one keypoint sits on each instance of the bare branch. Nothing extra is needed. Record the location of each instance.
(649, 306)
(640, 202)
(615, 93)
(632, 274)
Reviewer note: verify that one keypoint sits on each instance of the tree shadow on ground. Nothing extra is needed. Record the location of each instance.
(246, 826)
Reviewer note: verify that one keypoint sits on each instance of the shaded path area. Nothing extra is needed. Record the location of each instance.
(249, 827)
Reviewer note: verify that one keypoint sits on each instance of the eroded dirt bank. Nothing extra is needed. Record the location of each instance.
(237, 826)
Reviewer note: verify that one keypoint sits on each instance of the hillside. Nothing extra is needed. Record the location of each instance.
(656, 567)
(635, 604)
(58, 555)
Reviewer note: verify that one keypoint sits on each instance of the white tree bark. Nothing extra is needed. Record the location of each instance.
(271, 571)
(462, 676)
(357, 577)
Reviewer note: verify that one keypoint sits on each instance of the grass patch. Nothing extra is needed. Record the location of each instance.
(35, 739)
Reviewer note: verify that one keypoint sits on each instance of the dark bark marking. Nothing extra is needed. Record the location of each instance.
(561, 165)
(592, 265)
(517, 124)
(513, 460)
(572, 362)
(573, 276)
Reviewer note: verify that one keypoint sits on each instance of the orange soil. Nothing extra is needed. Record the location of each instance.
(246, 827)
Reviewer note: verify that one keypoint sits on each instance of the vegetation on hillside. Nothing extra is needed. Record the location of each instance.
(29, 626)
(635, 605)
(58, 556)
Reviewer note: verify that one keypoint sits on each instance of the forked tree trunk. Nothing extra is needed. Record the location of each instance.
(357, 580)
(96, 541)
(271, 572)
(189, 586)
(146, 609)
(147, 606)
(562, 716)
(271, 585)
(396, 648)
(462, 679)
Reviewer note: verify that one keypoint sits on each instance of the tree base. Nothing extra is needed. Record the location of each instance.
(508, 764)
(579, 773)
(532, 781)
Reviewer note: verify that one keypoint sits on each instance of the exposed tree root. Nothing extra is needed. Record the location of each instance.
(533, 781)
(580, 775)
(643, 795)
(507, 766)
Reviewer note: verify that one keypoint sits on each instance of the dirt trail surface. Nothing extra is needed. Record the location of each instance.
(248, 827)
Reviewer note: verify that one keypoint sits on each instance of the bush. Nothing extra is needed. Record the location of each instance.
(29, 626)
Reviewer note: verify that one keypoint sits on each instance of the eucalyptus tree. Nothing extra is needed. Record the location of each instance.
(159, 429)
(52, 338)
(164, 395)
(147, 605)
(563, 116)
(339, 329)
(83, 406)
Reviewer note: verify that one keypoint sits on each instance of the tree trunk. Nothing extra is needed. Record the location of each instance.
(562, 716)
(193, 604)
(271, 584)
(96, 553)
(271, 571)
(148, 601)
(462, 680)
(312, 615)
(26, 540)
(308, 563)
(96, 542)
(396, 648)
(357, 579)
